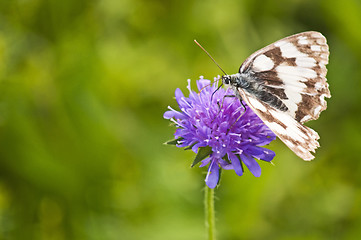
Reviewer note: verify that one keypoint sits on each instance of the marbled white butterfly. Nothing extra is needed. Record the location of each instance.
(285, 85)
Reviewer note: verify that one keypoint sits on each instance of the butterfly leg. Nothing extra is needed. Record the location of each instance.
(225, 96)
(232, 96)
(243, 107)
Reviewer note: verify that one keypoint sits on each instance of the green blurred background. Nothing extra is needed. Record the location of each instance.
(83, 87)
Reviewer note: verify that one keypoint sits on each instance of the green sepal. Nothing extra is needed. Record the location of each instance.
(203, 152)
(190, 147)
(174, 141)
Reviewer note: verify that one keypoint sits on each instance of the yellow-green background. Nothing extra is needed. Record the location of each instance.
(83, 87)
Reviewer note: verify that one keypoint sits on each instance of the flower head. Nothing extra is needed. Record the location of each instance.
(222, 132)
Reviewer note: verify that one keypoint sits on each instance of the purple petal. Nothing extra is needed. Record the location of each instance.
(178, 94)
(224, 126)
(196, 146)
(261, 153)
(271, 135)
(173, 114)
(201, 83)
(168, 114)
(205, 161)
(263, 141)
(251, 164)
(236, 164)
(225, 165)
(212, 175)
(180, 99)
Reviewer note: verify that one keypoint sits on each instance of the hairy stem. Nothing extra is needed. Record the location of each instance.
(209, 213)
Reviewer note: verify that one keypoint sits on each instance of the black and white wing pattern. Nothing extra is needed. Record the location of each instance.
(285, 85)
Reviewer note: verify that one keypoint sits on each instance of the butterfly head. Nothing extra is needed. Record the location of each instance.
(226, 79)
(230, 80)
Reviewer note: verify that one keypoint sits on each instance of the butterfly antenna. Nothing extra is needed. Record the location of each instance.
(209, 55)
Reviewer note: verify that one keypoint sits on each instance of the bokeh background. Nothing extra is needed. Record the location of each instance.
(83, 87)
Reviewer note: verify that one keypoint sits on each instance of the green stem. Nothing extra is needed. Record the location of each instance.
(209, 213)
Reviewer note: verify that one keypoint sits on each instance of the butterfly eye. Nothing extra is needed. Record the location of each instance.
(226, 80)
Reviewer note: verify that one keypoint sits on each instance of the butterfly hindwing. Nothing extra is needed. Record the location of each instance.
(300, 139)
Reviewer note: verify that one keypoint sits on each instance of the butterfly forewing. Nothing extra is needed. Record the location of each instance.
(292, 70)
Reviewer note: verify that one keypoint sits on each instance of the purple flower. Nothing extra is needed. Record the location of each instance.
(221, 132)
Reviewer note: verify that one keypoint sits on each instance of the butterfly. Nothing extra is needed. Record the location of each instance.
(285, 84)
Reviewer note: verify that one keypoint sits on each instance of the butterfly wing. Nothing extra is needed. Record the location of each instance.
(300, 139)
(294, 70)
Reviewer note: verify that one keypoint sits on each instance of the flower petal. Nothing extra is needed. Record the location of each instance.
(196, 146)
(251, 164)
(178, 94)
(213, 174)
(261, 153)
(225, 165)
(205, 161)
(181, 100)
(236, 163)
(173, 114)
(224, 127)
(168, 114)
(201, 83)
